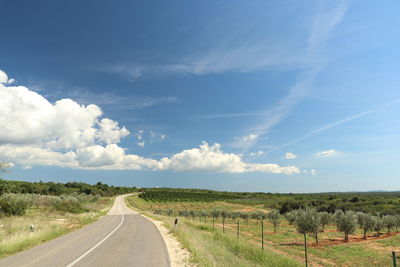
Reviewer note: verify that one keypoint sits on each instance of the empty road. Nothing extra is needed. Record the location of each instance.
(121, 238)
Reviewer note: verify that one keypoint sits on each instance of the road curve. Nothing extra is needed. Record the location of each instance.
(121, 238)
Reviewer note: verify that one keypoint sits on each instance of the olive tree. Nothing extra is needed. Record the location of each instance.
(326, 218)
(215, 214)
(302, 223)
(203, 214)
(192, 214)
(366, 222)
(346, 222)
(291, 216)
(245, 216)
(389, 222)
(223, 214)
(275, 218)
(234, 215)
(379, 225)
(169, 212)
(258, 215)
(309, 221)
(397, 221)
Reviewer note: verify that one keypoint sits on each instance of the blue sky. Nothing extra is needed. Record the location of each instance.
(275, 96)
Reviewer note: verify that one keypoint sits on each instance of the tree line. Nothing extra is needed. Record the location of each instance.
(58, 189)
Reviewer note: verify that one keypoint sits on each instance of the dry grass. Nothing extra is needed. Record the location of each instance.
(15, 234)
(211, 248)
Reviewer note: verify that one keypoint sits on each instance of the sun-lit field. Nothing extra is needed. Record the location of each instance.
(198, 234)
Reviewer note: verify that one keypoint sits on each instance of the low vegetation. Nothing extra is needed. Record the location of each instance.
(340, 236)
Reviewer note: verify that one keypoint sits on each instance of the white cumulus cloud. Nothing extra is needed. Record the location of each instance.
(204, 158)
(26, 117)
(327, 153)
(212, 158)
(35, 131)
(290, 155)
(4, 78)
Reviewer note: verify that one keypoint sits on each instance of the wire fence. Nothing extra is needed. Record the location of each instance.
(238, 228)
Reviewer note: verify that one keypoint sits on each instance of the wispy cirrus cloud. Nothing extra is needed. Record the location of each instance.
(232, 115)
(328, 16)
(244, 140)
(327, 153)
(246, 58)
(130, 102)
(257, 153)
(337, 123)
(325, 21)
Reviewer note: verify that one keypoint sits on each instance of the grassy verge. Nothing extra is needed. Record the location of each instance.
(209, 247)
(15, 234)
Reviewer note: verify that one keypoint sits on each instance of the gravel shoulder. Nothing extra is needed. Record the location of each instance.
(178, 255)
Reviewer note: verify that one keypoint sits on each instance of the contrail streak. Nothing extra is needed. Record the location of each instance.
(337, 123)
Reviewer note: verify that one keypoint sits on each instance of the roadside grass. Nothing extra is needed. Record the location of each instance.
(212, 248)
(199, 237)
(209, 247)
(15, 234)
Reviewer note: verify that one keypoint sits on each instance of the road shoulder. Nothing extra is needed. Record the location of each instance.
(178, 255)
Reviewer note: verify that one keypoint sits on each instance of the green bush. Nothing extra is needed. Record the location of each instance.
(69, 206)
(12, 204)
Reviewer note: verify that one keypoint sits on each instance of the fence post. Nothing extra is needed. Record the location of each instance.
(262, 233)
(238, 229)
(305, 248)
(394, 258)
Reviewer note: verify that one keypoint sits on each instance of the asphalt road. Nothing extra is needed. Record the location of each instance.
(121, 238)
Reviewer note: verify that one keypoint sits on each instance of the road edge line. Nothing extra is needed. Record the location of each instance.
(98, 244)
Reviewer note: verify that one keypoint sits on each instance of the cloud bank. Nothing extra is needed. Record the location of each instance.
(67, 134)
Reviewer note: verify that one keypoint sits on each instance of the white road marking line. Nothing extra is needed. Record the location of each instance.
(98, 244)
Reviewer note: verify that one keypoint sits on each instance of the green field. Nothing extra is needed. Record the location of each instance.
(283, 248)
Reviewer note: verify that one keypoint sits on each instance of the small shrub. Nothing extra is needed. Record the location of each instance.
(73, 207)
(13, 204)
